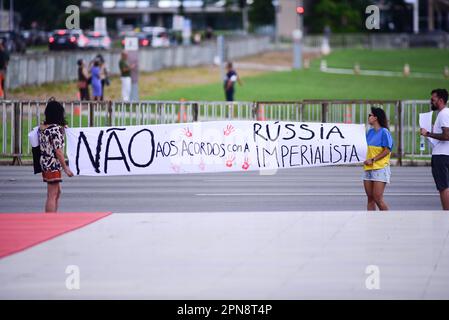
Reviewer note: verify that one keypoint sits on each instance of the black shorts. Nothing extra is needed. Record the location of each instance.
(440, 171)
(229, 95)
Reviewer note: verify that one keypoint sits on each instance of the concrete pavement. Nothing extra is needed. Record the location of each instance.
(240, 255)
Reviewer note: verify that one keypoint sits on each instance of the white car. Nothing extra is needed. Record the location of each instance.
(158, 36)
(98, 40)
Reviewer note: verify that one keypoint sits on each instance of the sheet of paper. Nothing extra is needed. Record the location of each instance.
(33, 136)
(425, 122)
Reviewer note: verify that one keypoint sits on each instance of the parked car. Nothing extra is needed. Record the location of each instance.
(65, 39)
(158, 36)
(98, 40)
(34, 37)
(13, 41)
(143, 38)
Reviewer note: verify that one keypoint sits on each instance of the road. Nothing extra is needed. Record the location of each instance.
(311, 189)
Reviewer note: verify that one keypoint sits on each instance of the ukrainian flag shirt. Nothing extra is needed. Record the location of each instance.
(376, 141)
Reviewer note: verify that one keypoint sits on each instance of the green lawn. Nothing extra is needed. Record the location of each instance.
(419, 60)
(312, 84)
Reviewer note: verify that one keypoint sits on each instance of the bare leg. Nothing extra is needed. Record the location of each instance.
(378, 195)
(52, 195)
(371, 206)
(57, 197)
(444, 196)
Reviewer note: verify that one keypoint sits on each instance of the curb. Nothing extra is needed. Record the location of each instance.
(394, 163)
(8, 162)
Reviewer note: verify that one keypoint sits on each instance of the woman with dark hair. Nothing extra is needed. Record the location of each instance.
(377, 164)
(104, 76)
(83, 83)
(51, 140)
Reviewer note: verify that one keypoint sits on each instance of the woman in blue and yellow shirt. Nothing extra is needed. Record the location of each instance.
(377, 164)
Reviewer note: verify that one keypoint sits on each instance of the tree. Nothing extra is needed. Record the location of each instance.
(47, 13)
(397, 16)
(339, 15)
(87, 18)
(261, 13)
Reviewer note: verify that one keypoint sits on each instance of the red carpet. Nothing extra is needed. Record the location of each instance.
(19, 231)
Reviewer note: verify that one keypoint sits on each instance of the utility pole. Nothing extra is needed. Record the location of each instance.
(297, 36)
(276, 26)
(11, 15)
(430, 22)
(415, 4)
(416, 17)
(221, 55)
(245, 21)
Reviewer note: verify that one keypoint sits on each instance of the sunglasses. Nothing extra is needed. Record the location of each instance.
(370, 115)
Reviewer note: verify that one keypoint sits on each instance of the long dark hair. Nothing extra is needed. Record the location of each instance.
(381, 116)
(54, 113)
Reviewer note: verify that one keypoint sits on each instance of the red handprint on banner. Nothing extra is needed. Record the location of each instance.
(230, 161)
(229, 129)
(188, 133)
(202, 165)
(176, 168)
(246, 164)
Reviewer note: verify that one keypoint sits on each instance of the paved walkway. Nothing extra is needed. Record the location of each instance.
(239, 255)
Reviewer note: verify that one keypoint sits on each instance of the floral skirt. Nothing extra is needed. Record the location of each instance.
(52, 176)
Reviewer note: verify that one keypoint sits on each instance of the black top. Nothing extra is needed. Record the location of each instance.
(231, 75)
(4, 58)
(81, 76)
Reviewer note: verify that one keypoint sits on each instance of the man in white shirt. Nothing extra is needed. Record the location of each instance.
(440, 151)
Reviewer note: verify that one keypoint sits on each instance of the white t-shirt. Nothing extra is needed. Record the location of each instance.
(441, 147)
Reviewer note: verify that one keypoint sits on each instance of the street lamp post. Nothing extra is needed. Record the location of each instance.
(415, 4)
(11, 15)
(297, 36)
(276, 27)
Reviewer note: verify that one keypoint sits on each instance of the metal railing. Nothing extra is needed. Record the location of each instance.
(19, 117)
(414, 144)
(380, 40)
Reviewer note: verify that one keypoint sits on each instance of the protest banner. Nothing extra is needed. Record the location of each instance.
(216, 146)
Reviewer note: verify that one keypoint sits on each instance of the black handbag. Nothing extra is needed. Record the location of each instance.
(36, 159)
(33, 137)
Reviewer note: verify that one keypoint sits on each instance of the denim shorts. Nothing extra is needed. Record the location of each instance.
(382, 175)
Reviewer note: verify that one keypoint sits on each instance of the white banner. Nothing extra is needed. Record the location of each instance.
(217, 146)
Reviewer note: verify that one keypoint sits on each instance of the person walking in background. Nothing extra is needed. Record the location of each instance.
(230, 79)
(104, 76)
(2, 96)
(209, 34)
(83, 79)
(125, 73)
(4, 59)
(377, 164)
(96, 80)
(52, 161)
(440, 150)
